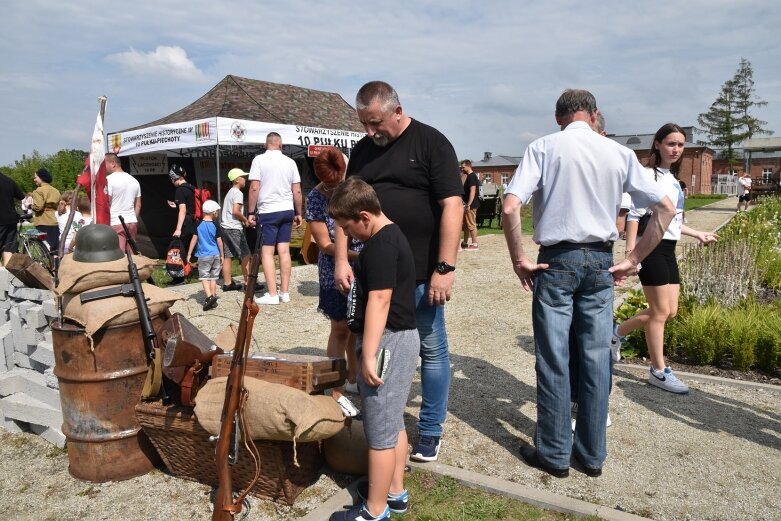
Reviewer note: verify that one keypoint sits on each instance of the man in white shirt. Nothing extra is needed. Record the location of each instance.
(576, 178)
(745, 183)
(275, 194)
(124, 194)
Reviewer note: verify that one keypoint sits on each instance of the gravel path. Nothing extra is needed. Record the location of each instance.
(714, 454)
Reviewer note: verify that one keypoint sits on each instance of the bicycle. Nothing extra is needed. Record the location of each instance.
(32, 243)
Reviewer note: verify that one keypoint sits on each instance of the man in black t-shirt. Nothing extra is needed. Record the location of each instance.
(471, 203)
(414, 170)
(184, 202)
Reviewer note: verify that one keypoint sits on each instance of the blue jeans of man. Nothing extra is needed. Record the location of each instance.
(575, 291)
(434, 363)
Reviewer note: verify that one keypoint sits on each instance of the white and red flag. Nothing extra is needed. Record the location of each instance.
(95, 184)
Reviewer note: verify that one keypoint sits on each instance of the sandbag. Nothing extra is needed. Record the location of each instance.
(348, 450)
(76, 276)
(273, 411)
(115, 311)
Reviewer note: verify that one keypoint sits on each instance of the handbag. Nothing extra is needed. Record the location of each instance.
(309, 249)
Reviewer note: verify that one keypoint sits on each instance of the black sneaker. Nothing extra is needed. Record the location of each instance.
(210, 303)
(427, 449)
(233, 286)
(396, 503)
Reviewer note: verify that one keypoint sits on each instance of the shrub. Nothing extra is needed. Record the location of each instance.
(697, 334)
(723, 272)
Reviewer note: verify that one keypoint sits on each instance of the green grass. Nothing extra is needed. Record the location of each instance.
(697, 201)
(442, 498)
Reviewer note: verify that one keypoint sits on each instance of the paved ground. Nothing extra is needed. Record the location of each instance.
(714, 454)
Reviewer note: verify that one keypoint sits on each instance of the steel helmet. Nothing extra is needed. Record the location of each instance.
(97, 243)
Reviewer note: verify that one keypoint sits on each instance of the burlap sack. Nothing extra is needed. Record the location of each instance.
(348, 451)
(273, 411)
(114, 311)
(76, 276)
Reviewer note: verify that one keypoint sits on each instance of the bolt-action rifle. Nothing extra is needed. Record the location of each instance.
(232, 427)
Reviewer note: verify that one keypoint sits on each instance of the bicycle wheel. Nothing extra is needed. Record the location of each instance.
(39, 253)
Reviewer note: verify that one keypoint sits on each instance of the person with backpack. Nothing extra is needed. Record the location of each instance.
(185, 203)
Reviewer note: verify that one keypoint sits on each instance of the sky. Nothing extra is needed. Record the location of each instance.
(485, 73)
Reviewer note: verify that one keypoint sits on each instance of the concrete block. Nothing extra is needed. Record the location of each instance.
(6, 303)
(47, 335)
(44, 354)
(34, 316)
(29, 382)
(49, 308)
(21, 360)
(3, 316)
(14, 282)
(24, 307)
(24, 408)
(4, 276)
(6, 343)
(3, 364)
(51, 434)
(25, 293)
(32, 336)
(12, 426)
(51, 380)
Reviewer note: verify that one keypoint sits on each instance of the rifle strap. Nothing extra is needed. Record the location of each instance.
(154, 376)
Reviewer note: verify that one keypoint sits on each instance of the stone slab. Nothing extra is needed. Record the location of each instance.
(35, 317)
(31, 383)
(4, 276)
(49, 308)
(24, 408)
(25, 293)
(43, 353)
(51, 434)
(51, 380)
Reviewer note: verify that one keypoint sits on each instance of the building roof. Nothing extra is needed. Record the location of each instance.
(644, 141)
(766, 144)
(491, 161)
(256, 100)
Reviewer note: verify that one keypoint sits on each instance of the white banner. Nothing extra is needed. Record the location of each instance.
(231, 132)
(148, 164)
(240, 131)
(189, 134)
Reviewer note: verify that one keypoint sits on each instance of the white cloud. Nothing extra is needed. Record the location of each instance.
(164, 60)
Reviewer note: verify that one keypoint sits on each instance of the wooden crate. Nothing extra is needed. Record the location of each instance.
(312, 374)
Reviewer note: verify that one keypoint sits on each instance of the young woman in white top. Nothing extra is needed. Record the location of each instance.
(659, 271)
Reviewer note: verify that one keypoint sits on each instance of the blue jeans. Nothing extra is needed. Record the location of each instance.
(576, 290)
(435, 363)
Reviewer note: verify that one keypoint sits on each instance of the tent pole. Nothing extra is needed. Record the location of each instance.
(219, 195)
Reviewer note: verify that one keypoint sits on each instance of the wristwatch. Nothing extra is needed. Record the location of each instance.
(443, 267)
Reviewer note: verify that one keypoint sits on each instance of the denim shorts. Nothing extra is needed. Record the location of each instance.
(277, 226)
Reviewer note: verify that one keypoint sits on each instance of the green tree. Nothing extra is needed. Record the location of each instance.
(746, 100)
(729, 121)
(64, 166)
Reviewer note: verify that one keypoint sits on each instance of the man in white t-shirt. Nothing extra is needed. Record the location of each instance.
(745, 197)
(275, 193)
(124, 195)
(233, 222)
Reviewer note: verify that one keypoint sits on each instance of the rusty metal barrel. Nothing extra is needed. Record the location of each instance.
(99, 389)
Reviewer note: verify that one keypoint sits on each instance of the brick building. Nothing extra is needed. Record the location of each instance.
(696, 168)
(496, 170)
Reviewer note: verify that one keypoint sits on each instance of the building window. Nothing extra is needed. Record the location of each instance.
(767, 176)
(733, 171)
(505, 179)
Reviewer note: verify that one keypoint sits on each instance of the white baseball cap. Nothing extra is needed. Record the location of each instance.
(210, 206)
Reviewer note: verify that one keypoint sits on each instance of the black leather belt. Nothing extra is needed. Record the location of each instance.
(567, 245)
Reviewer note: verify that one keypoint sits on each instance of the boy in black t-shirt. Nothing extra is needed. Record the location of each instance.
(381, 311)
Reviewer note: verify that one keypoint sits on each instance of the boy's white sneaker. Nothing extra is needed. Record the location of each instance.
(284, 297)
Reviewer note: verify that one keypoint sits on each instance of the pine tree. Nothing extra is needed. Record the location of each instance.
(729, 122)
